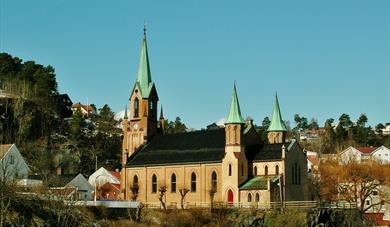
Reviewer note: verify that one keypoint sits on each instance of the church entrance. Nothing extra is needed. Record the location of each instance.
(230, 196)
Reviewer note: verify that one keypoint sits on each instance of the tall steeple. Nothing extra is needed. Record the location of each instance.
(144, 78)
(277, 123)
(235, 112)
(277, 129)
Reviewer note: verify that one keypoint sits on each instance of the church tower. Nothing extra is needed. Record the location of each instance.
(277, 130)
(141, 124)
(234, 164)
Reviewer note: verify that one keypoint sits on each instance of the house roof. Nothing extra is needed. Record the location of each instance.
(116, 174)
(313, 159)
(4, 148)
(258, 183)
(235, 111)
(271, 151)
(85, 107)
(366, 150)
(60, 180)
(188, 147)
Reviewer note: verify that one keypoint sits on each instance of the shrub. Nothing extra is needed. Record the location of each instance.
(286, 218)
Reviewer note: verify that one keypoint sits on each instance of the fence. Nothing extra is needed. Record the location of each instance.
(241, 205)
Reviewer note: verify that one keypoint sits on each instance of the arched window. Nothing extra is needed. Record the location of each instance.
(277, 169)
(249, 197)
(293, 174)
(257, 197)
(151, 108)
(193, 182)
(296, 173)
(136, 107)
(135, 182)
(255, 171)
(266, 170)
(230, 169)
(173, 182)
(299, 175)
(214, 181)
(154, 183)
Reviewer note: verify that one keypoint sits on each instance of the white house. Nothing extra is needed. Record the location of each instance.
(102, 176)
(358, 154)
(386, 130)
(12, 164)
(382, 153)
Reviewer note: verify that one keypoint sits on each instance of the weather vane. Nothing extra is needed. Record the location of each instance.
(145, 27)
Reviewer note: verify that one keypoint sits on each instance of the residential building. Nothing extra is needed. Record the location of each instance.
(12, 164)
(381, 153)
(71, 187)
(85, 109)
(102, 176)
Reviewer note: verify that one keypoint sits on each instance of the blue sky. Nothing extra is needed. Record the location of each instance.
(324, 58)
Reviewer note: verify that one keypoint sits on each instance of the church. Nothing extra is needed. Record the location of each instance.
(232, 162)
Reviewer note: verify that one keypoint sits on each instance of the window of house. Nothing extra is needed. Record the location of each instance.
(151, 107)
(12, 160)
(249, 197)
(173, 182)
(193, 182)
(257, 197)
(293, 174)
(266, 170)
(135, 181)
(296, 173)
(367, 202)
(136, 107)
(299, 175)
(214, 181)
(375, 193)
(277, 169)
(154, 183)
(230, 169)
(255, 171)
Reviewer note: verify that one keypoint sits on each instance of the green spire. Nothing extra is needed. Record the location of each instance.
(277, 123)
(144, 78)
(235, 112)
(125, 117)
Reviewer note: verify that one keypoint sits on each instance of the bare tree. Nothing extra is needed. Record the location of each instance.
(212, 192)
(162, 190)
(134, 192)
(183, 193)
(356, 183)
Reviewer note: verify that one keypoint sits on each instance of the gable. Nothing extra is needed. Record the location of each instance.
(80, 182)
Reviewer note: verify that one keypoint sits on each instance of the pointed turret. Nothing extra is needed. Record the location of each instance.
(277, 124)
(162, 121)
(161, 113)
(144, 78)
(235, 112)
(126, 116)
(277, 129)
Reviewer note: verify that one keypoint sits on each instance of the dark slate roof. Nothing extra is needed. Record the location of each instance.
(189, 147)
(270, 152)
(60, 180)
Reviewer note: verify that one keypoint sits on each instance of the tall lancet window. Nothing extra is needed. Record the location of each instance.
(136, 107)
